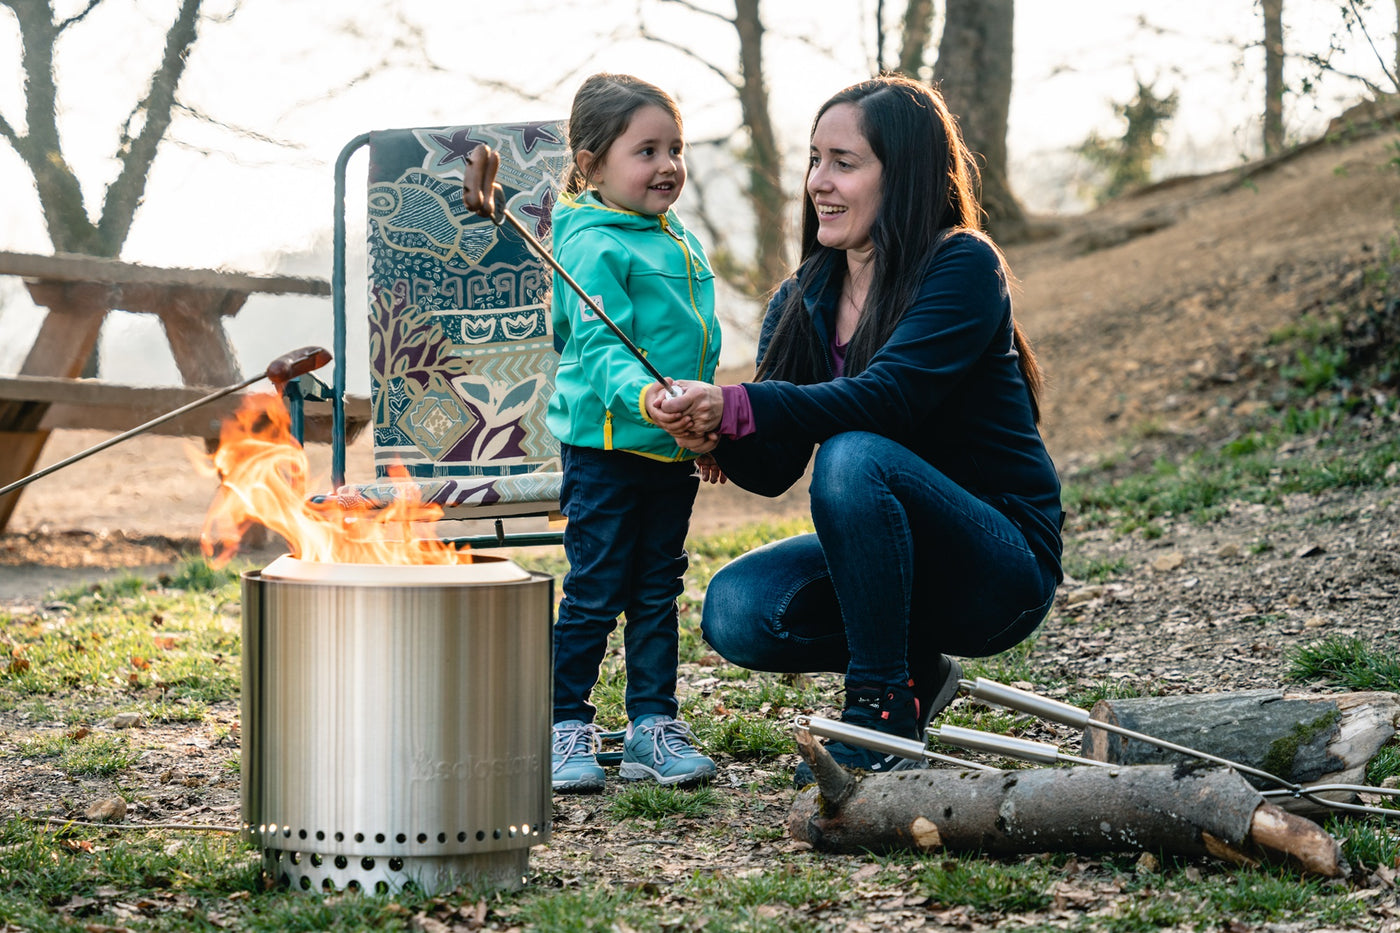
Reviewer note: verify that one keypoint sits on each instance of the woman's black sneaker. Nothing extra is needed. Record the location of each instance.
(890, 710)
(933, 693)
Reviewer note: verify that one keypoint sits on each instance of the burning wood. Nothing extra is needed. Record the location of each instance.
(265, 480)
(1180, 810)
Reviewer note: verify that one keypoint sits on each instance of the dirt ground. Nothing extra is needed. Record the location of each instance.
(1146, 311)
(1147, 315)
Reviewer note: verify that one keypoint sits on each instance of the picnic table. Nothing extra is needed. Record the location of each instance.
(79, 292)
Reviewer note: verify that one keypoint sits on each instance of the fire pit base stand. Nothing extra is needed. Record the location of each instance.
(314, 872)
(396, 735)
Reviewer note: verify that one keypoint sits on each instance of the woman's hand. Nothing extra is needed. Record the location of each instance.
(680, 425)
(709, 470)
(697, 410)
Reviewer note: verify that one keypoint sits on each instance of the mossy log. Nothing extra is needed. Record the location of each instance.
(1325, 739)
(1190, 810)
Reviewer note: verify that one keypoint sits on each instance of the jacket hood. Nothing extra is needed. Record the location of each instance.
(585, 211)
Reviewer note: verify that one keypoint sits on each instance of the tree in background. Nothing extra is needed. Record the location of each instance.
(71, 226)
(973, 72)
(1273, 75)
(1127, 160)
(760, 155)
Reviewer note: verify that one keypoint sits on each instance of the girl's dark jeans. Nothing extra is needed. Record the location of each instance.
(625, 542)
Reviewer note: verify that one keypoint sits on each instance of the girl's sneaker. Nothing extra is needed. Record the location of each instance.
(574, 758)
(658, 747)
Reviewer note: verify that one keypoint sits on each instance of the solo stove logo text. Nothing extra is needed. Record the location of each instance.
(425, 769)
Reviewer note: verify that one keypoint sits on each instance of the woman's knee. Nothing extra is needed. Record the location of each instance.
(846, 465)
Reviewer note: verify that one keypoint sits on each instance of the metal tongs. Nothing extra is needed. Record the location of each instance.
(1045, 753)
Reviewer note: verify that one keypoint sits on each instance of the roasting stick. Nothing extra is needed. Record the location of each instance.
(879, 741)
(479, 194)
(1065, 714)
(279, 372)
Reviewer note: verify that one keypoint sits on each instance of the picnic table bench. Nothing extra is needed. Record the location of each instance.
(79, 292)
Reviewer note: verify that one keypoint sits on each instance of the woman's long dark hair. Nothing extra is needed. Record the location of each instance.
(928, 194)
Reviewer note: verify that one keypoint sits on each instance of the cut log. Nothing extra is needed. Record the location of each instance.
(1303, 739)
(1194, 811)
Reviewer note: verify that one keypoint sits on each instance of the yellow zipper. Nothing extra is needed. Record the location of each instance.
(690, 284)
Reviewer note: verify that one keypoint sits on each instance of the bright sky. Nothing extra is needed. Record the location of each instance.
(282, 68)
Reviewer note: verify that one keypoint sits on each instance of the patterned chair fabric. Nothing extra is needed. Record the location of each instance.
(462, 353)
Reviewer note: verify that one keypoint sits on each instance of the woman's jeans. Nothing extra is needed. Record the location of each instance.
(905, 565)
(625, 542)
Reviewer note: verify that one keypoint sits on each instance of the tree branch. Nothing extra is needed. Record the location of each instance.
(9, 133)
(701, 10)
(125, 192)
(243, 131)
(60, 195)
(691, 54)
(92, 5)
(1361, 24)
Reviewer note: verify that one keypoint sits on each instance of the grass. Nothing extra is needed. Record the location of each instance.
(168, 649)
(82, 752)
(132, 642)
(1205, 484)
(1347, 662)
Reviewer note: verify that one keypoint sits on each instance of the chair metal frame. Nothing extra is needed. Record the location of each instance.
(500, 538)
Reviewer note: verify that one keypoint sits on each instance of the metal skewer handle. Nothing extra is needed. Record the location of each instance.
(280, 371)
(996, 744)
(1056, 711)
(879, 741)
(482, 196)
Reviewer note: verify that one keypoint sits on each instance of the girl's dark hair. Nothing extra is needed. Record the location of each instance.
(603, 106)
(928, 194)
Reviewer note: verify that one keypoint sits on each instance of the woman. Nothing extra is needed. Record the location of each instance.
(893, 350)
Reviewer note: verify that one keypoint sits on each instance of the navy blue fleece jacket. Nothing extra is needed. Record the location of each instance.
(947, 385)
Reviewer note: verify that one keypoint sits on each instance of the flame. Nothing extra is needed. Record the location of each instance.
(264, 479)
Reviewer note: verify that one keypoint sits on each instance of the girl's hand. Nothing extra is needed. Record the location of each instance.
(701, 402)
(709, 470)
(676, 423)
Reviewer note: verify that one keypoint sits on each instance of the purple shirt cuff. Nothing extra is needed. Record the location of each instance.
(737, 418)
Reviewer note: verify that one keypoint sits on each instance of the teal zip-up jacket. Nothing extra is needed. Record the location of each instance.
(651, 278)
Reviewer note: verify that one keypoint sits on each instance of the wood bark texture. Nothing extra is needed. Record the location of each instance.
(1205, 811)
(1326, 739)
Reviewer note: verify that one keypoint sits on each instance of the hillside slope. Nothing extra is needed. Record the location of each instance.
(1149, 311)
(1154, 308)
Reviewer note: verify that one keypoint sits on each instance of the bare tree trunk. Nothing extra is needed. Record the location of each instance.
(1397, 45)
(765, 168)
(1273, 75)
(71, 227)
(918, 33)
(1183, 811)
(974, 73)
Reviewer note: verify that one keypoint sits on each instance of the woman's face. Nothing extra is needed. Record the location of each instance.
(843, 180)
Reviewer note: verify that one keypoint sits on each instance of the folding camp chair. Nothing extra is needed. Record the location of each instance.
(462, 354)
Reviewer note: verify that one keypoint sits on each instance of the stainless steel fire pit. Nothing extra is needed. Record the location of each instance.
(396, 723)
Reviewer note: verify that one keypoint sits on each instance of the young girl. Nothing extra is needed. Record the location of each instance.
(628, 488)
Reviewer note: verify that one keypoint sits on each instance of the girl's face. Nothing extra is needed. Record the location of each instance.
(644, 169)
(843, 180)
